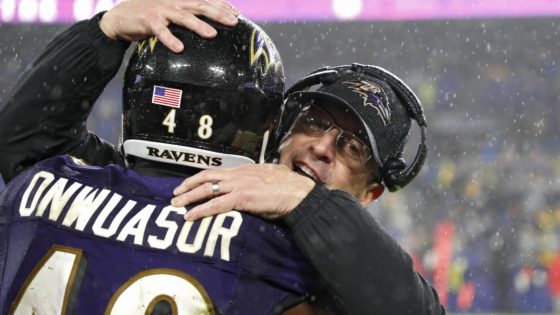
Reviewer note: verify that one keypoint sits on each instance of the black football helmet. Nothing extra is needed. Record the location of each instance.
(211, 105)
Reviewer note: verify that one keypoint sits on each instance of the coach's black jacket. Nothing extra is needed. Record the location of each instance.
(364, 270)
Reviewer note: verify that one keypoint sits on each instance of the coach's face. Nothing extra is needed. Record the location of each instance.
(321, 156)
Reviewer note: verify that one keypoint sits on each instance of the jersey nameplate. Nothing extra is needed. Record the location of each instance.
(107, 214)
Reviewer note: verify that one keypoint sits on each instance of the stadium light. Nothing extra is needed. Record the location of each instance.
(8, 8)
(27, 10)
(347, 9)
(47, 11)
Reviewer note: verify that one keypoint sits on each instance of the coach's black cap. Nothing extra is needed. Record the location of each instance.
(374, 103)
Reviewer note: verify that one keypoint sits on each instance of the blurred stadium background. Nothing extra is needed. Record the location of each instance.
(482, 221)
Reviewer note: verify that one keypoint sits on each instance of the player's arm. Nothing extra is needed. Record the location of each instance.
(46, 113)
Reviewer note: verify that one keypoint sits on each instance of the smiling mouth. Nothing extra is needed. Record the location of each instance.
(306, 171)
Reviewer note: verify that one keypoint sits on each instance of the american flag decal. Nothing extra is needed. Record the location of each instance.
(167, 96)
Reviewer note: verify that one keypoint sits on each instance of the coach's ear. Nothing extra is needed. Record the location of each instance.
(371, 193)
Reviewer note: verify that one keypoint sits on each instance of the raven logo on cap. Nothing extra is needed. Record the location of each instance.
(374, 96)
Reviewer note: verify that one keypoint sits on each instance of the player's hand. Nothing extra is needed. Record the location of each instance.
(133, 20)
(266, 190)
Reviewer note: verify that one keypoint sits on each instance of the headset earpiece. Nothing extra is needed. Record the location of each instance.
(394, 175)
(392, 172)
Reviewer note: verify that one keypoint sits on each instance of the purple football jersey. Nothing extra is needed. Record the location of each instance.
(78, 239)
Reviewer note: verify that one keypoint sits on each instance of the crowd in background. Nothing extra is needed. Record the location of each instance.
(482, 220)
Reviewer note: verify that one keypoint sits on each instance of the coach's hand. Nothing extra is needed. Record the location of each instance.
(266, 190)
(139, 19)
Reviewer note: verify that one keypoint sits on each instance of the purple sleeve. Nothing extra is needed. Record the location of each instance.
(275, 256)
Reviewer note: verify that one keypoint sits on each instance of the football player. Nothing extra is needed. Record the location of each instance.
(103, 239)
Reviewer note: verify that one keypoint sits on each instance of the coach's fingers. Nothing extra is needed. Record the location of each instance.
(193, 23)
(206, 176)
(139, 19)
(164, 35)
(226, 5)
(184, 15)
(199, 193)
(211, 207)
(219, 13)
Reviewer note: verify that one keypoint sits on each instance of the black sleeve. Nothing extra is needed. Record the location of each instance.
(46, 113)
(365, 270)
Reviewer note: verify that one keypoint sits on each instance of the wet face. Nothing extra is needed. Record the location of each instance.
(320, 157)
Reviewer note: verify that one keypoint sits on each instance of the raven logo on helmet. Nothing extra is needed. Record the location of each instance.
(374, 96)
(260, 43)
(151, 41)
